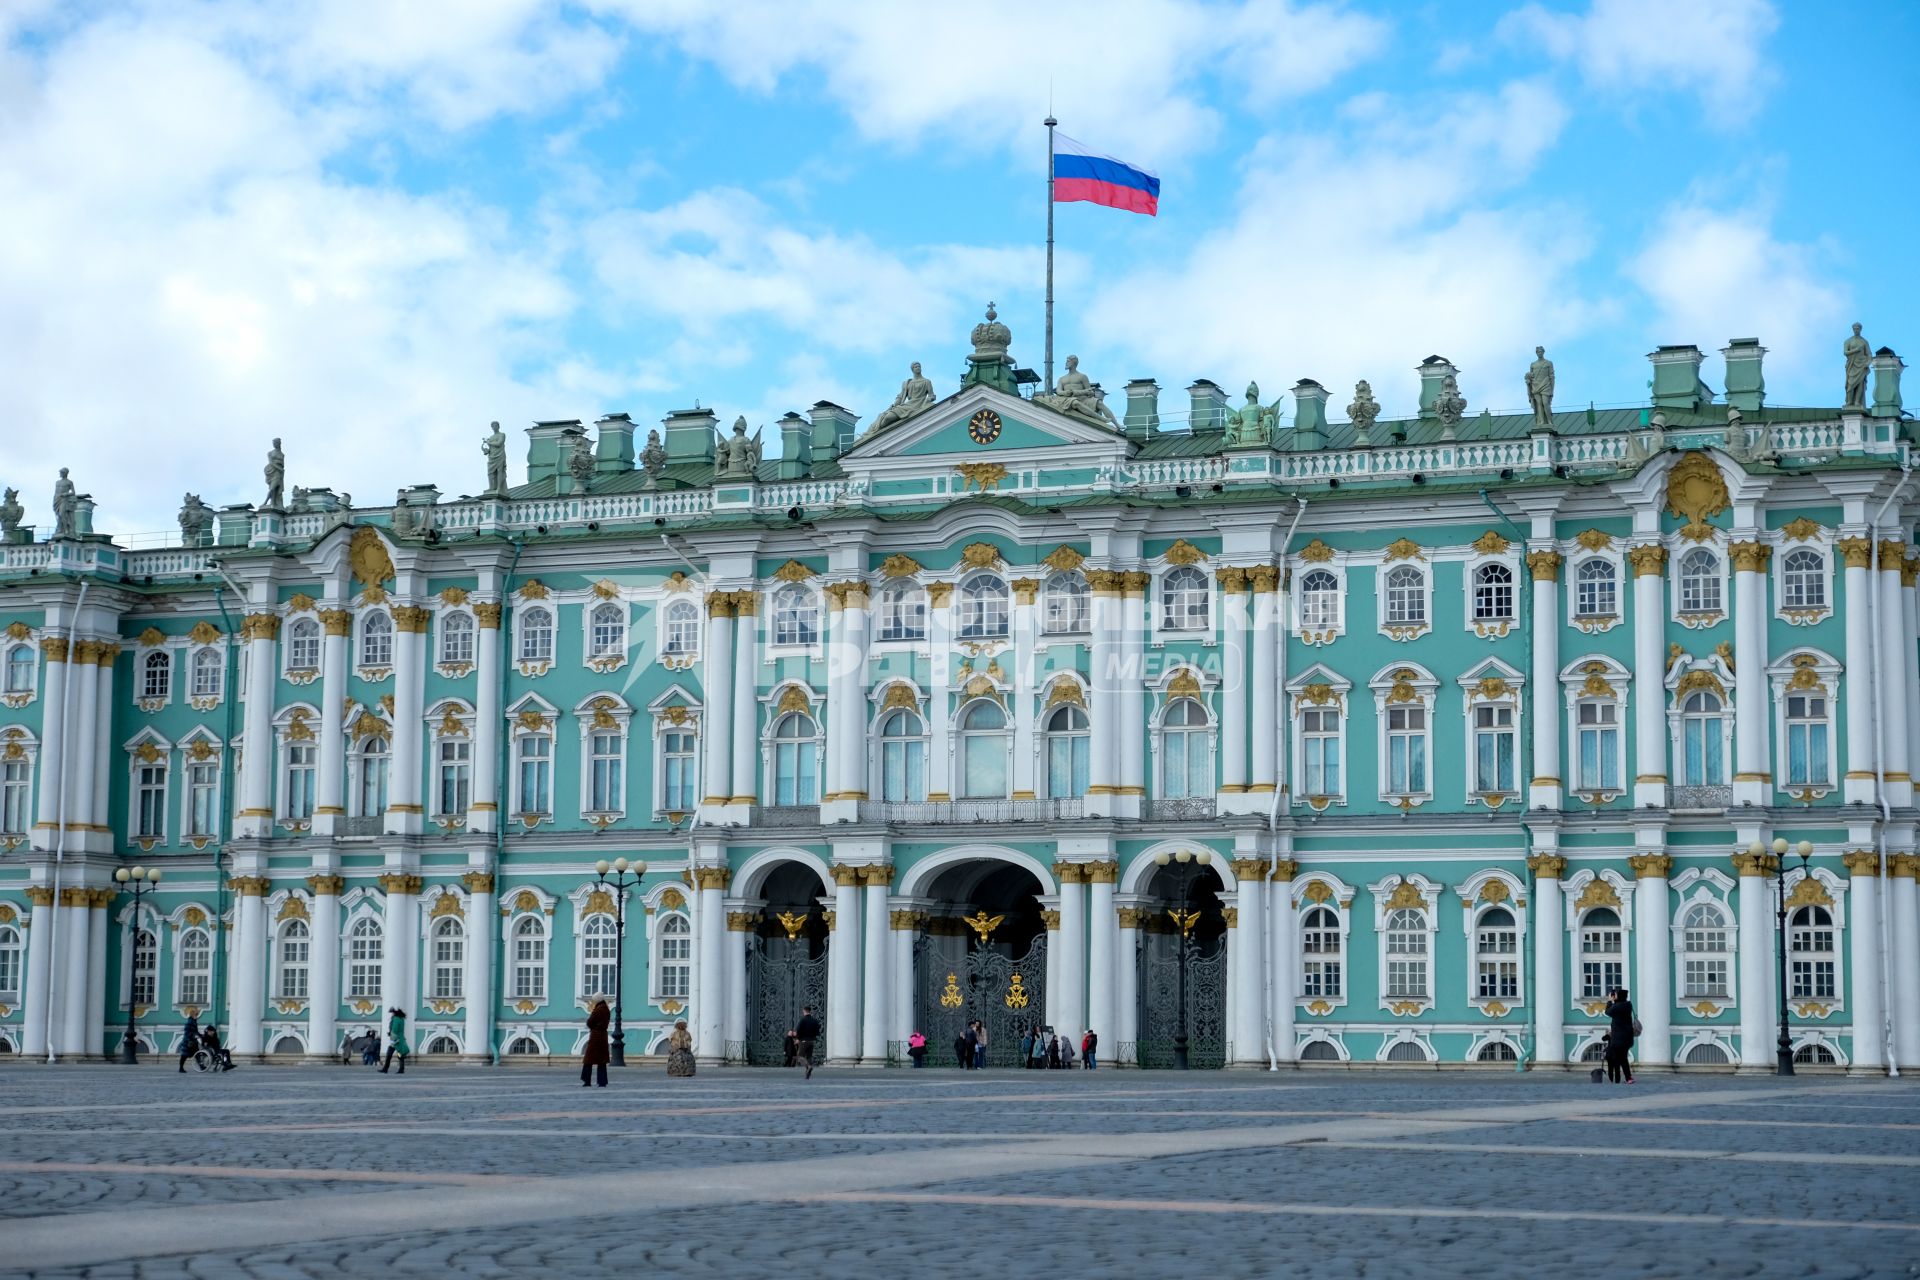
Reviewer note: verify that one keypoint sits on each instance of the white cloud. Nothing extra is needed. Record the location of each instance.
(1628, 47)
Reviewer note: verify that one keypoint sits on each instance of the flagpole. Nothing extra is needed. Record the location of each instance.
(1051, 122)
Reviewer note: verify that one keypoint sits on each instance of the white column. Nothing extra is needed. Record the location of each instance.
(398, 990)
(905, 928)
(1103, 950)
(39, 977)
(1133, 718)
(76, 913)
(1056, 963)
(1269, 633)
(247, 962)
(848, 663)
(1283, 925)
(838, 720)
(1549, 945)
(1071, 1019)
(1649, 687)
(1546, 786)
(1234, 679)
(843, 969)
(323, 969)
(1121, 1049)
(405, 812)
(1896, 660)
(940, 694)
(746, 705)
(1247, 946)
(1857, 587)
(483, 810)
(103, 742)
(734, 1022)
(482, 926)
(1024, 625)
(1910, 658)
(329, 800)
(1757, 1034)
(1903, 937)
(1753, 772)
(1103, 761)
(256, 771)
(83, 753)
(716, 689)
(97, 982)
(877, 967)
(1863, 961)
(52, 758)
(710, 936)
(1653, 958)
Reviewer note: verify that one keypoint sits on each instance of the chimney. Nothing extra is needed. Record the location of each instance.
(688, 434)
(1143, 409)
(236, 525)
(796, 446)
(1208, 407)
(1309, 415)
(832, 431)
(1433, 371)
(615, 451)
(544, 443)
(1746, 387)
(1886, 383)
(1676, 379)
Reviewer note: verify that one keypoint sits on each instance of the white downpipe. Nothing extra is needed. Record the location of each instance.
(60, 828)
(1879, 775)
(1279, 786)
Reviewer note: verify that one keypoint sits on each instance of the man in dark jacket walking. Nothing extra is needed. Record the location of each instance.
(806, 1031)
(189, 1039)
(1620, 1036)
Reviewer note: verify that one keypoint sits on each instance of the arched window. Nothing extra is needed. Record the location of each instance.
(456, 638)
(794, 760)
(681, 632)
(1810, 954)
(1493, 593)
(1496, 955)
(145, 985)
(796, 616)
(376, 639)
(1186, 751)
(1815, 1054)
(1597, 737)
(1184, 600)
(1068, 745)
(607, 631)
(1601, 965)
(449, 950)
(524, 1047)
(1320, 947)
(536, 634)
(1803, 580)
(903, 611)
(983, 751)
(1406, 941)
(373, 763)
(1497, 1051)
(303, 645)
(1807, 740)
(1064, 604)
(443, 1045)
(11, 957)
(1319, 600)
(290, 961)
(1702, 741)
(1700, 582)
(599, 948)
(903, 758)
(530, 958)
(196, 967)
(156, 674)
(1319, 1051)
(673, 971)
(20, 669)
(1406, 596)
(1596, 590)
(1706, 953)
(983, 607)
(209, 670)
(365, 947)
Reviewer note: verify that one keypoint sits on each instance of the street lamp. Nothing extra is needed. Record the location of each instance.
(139, 882)
(626, 876)
(1187, 866)
(1784, 1063)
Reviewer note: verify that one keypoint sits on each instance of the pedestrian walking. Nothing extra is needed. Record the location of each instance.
(973, 1044)
(1026, 1046)
(1037, 1056)
(917, 1049)
(1053, 1053)
(979, 1045)
(1622, 1029)
(396, 1041)
(808, 1031)
(1088, 1044)
(962, 1051)
(370, 1048)
(680, 1050)
(1066, 1053)
(598, 1052)
(189, 1040)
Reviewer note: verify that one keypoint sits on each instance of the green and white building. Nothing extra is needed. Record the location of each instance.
(1356, 741)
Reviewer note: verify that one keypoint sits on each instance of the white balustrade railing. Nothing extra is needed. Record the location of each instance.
(156, 564)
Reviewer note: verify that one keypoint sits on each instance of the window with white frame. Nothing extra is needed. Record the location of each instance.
(1495, 749)
(1808, 763)
(680, 630)
(1493, 598)
(1602, 966)
(1597, 744)
(1185, 600)
(1064, 604)
(366, 945)
(1186, 750)
(983, 751)
(1069, 743)
(290, 961)
(156, 676)
(12, 958)
(1321, 958)
(606, 771)
(599, 951)
(1810, 954)
(20, 669)
(209, 671)
(144, 976)
(372, 769)
(679, 757)
(530, 958)
(903, 758)
(376, 639)
(673, 963)
(297, 785)
(457, 638)
(150, 799)
(303, 645)
(1706, 953)
(453, 776)
(1700, 590)
(533, 774)
(1496, 955)
(795, 760)
(796, 616)
(448, 944)
(16, 795)
(1703, 732)
(903, 610)
(536, 634)
(1803, 579)
(1406, 597)
(1320, 773)
(1406, 941)
(607, 630)
(1319, 600)
(203, 797)
(1596, 589)
(195, 967)
(1407, 749)
(983, 607)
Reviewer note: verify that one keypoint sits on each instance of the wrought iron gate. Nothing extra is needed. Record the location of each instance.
(1160, 1002)
(781, 979)
(1007, 994)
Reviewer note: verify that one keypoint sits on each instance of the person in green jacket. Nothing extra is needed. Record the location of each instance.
(396, 1041)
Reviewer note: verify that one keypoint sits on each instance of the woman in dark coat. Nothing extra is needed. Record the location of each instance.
(1619, 1036)
(597, 1052)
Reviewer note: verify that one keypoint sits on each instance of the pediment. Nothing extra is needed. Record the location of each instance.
(1027, 434)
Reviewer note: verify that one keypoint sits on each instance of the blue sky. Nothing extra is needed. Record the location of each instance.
(371, 228)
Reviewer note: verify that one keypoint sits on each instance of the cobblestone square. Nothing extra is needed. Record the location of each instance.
(323, 1171)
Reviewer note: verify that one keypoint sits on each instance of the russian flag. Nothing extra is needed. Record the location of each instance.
(1080, 174)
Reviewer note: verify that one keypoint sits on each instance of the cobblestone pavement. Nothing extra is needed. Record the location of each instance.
(297, 1172)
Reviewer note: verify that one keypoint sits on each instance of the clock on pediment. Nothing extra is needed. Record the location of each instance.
(984, 427)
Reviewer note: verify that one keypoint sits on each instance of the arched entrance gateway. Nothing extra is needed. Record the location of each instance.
(1183, 965)
(786, 961)
(982, 957)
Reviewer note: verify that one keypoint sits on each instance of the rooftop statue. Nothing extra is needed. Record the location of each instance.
(1075, 392)
(738, 457)
(1736, 437)
(494, 447)
(194, 517)
(276, 473)
(653, 459)
(11, 513)
(916, 396)
(580, 462)
(1450, 406)
(405, 521)
(1540, 387)
(1859, 354)
(302, 500)
(1253, 423)
(65, 508)
(1364, 410)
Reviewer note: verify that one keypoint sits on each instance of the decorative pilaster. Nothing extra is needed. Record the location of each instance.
(877, 971)
(329, 796)
(1103, 952)
(1897, 661)
(39, 976)
(1269, 634)
(54, 651)
(1857, 586)
(939, 686)
(76, 914)
(1903, 939)
(846, 764)
(1649, 688)
(97, 972)
(1123, 1049)
(734, 1024)
(247, 979)
(1863, 961)
(1234, 638)
(406, 815)
(716, 687)
(1756, 958)
(1283, 924)
(1549, 942)
(1546, 788)
(482, 903)
(102, 835)
(1103, 761)
(1071, 1007)
(905, 928)
(1653, 957)
(843, 969)
(83, 755)
(323, 969)
(1753, 771)
(710, 935)
(1023, 627)
(1245, 947)
(257, 763)
(399, 985)
(746, 704)
(483, 810)
(1133, 694)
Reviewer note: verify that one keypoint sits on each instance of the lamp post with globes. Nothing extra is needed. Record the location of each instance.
(1804, 850)
(1187, 866)
(139, 882)
(625, 876)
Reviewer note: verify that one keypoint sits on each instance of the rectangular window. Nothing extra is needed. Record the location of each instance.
(196, 968)
(15, 797)
(1813, 980)
(1320, 751)
(677, 782)
(1067, 765)
(150, 801)
(1599, 742)
(363, 963)
(1807, 740)
(301, 762)
(536, 774)
(1493, 750)
(607, 788)
(146, 969)
(1406, 750)
(455, 791)
(1703, 749)
(449, 967)
(293, 968)
(1499, 980)
(1705, 979)
(903, 771)
(203, 798)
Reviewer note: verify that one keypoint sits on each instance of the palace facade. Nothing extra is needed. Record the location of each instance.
(1270, 737)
